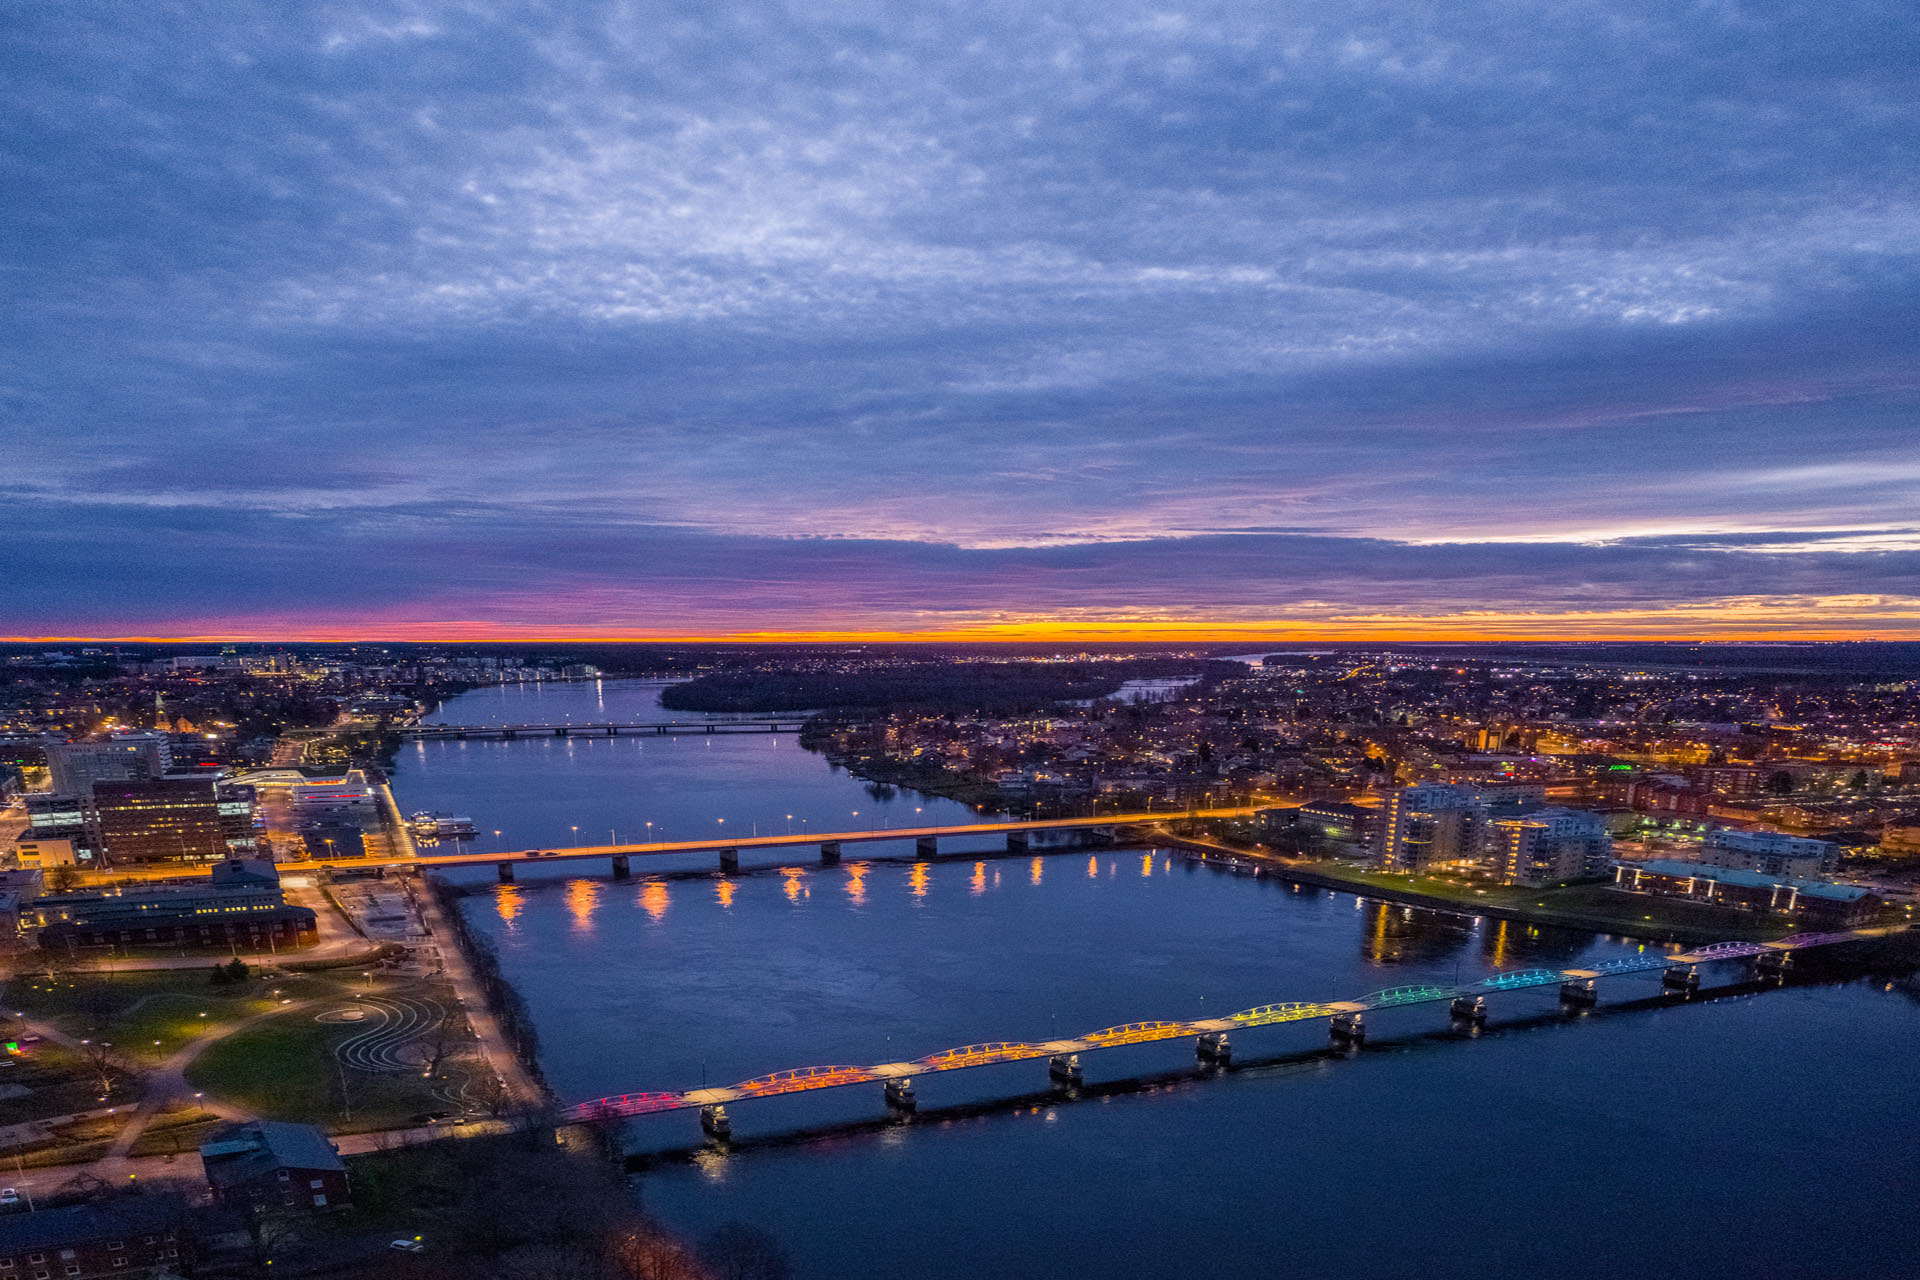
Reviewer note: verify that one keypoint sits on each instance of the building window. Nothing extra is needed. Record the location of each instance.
(319, 1202)
(43, 1275)
(316, 1184)
(119, 1262)
(73, 1268)
(36, 1257)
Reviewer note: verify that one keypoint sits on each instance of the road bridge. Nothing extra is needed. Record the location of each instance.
(600, 729)
(1019, 836)
(1345, 1018)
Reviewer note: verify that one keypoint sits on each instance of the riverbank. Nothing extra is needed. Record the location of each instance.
(1591, 907)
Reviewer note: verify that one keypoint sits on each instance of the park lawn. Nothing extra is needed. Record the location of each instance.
(176, 1130)
(284, 1069)
(150, 1016)
(57, 1081)
(132, 1010)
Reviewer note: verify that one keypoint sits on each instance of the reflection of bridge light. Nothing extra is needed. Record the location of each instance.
(723, 890)
(1093, 867)
(653, 899)
(583, 899)
(917, 880)
(1499, 956)
(507, 900)
(857, 883)
(979, 882)
(1034, 875)
(792, 882)
(1146, 865)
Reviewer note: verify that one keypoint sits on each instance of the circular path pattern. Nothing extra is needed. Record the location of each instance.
(383, 1042)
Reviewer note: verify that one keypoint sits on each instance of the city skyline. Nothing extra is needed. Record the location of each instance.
(1201, 322)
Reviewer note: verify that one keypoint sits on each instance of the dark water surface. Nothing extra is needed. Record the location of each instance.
(1762, 1135)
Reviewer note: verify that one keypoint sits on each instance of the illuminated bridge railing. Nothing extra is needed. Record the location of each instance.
(623, 1106)
(980, 1055)
(1268, 1015)
(989, 1052)
(1633, 964)
(800, 1079)
(1393, 996)
(1515, 981)
(1137, 1033)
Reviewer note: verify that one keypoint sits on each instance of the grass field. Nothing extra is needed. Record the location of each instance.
(285, 1069)
(146, 1016)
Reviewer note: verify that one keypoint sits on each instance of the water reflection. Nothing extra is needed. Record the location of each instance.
(793, 883)
(583, 899)
(509, 902)
(1396, 934)
(1146, 864)
(723, 890)
(917, 880)
(1034, 874)
(857, 883)
(978, 885)
(653, 899)
(1093, 868)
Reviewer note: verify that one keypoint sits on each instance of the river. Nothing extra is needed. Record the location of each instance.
(1766, 1134)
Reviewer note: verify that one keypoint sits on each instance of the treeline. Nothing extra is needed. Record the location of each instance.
(997, 688)
(509, 1010)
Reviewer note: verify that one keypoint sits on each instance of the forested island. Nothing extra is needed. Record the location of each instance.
(996, 688)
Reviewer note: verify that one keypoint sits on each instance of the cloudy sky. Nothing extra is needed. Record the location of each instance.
(1485, 317)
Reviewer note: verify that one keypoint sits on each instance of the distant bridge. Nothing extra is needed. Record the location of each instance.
(1345, 1017)
(601, 729)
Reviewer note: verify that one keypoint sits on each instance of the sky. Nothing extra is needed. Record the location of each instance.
(1299, 319)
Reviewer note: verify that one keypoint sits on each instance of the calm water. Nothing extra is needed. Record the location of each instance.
(1768, 1135)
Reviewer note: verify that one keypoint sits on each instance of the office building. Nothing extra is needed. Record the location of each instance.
(239, 905)
(171, 820)
(1817, 902)
(74, 767)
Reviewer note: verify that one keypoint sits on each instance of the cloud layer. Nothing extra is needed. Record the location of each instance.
(875, 317)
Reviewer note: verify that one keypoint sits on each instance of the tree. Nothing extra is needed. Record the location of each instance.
(1778, 783)
(108, 1069)
(1858, 782)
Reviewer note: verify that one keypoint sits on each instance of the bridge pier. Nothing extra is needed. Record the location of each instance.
(560, 731)
(1018, 841)
(507, 734)
(829, 853)
(1680, 981)
(925, 848)
(729, 859)
(505, 872)
(1579, 994)
(622, 867)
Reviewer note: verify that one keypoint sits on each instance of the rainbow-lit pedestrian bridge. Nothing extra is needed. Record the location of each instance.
(1345, 1018)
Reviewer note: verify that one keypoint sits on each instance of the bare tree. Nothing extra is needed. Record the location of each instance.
(108, 1069)
(449, 1034)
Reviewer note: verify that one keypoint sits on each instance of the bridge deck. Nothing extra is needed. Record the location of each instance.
(805, 1079)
